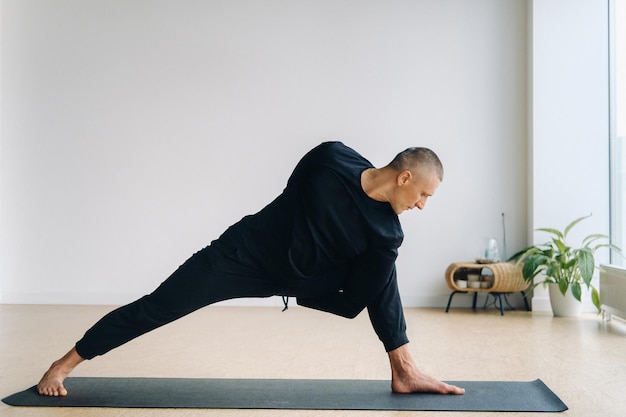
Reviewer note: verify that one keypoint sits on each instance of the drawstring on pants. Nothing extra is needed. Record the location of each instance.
(286, 302)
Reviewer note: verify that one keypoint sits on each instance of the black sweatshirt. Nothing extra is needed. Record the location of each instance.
(328, 243)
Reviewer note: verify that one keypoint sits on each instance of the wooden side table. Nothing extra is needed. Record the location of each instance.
(507, 278)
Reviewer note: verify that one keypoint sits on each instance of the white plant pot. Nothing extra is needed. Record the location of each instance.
(564, 305)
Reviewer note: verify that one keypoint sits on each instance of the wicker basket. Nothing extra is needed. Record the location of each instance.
(507, 277)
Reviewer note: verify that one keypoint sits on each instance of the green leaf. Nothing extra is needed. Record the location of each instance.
(569, 265)
(574, 223)
(561, 246)
(605, 245)
(548, 252)
(595, 297)
(525, 253)
(560, 259)
(552, 231)
(519, 255)
(589, 239)
(586, 264)
(576, 290)
(549, 280)
(563, 286)
(532, 266)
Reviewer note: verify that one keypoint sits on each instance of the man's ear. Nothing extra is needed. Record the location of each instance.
(405, 177)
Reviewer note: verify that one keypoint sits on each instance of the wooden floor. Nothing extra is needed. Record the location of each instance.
(582, 360)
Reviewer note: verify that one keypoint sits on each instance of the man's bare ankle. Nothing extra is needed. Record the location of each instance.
(60, 368)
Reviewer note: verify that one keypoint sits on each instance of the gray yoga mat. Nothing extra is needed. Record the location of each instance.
(289, 394)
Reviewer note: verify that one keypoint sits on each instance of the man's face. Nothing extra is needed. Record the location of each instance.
(414, 190)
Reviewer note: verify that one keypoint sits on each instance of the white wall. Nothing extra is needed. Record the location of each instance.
(134, 132)
(569, 135)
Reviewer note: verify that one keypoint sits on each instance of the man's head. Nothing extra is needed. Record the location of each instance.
(418, 174)
(415, 159)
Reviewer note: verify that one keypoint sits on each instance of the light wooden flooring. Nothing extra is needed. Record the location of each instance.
(582, 360)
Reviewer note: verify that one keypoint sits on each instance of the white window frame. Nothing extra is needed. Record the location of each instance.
(617, 129)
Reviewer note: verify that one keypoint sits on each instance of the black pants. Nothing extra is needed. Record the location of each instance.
(215, 273)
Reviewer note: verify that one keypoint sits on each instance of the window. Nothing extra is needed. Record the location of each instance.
(618, 126)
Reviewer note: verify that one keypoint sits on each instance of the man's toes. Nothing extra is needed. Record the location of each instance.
(52, 391)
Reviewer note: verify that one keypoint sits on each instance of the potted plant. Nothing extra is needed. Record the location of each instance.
(563, 267)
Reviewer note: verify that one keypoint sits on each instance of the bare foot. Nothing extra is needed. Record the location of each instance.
(52, 381)
(406, 377)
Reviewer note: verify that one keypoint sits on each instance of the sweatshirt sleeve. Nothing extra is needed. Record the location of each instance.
(387, 316)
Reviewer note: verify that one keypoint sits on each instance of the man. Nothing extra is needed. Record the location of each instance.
(330, 240)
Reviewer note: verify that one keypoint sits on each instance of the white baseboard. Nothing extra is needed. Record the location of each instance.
(541, 304)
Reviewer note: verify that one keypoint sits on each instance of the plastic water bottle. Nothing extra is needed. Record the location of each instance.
(492, 252)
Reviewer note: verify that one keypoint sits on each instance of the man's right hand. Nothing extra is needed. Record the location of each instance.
(407, 378)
